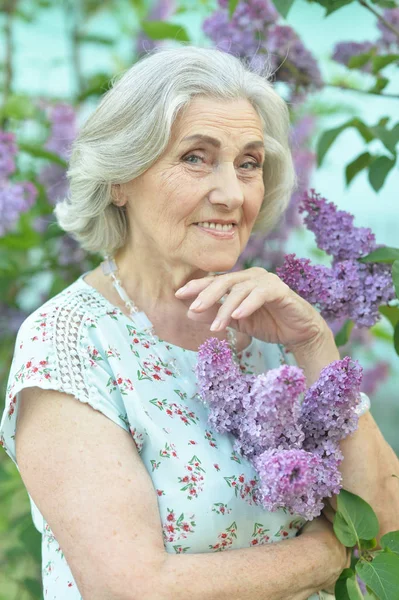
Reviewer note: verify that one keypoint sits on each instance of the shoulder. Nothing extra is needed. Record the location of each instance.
(70, 309)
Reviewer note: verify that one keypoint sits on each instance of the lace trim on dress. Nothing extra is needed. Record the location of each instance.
(71, 317)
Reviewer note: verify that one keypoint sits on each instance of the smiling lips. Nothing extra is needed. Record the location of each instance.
(217, 229)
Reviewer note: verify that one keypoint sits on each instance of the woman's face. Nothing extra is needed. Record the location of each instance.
(198, 180)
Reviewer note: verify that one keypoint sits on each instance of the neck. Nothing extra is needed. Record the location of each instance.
(152, 283)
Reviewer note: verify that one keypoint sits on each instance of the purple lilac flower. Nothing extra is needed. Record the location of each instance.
(63, 131)
(272, 409)
(292, 444)
(221, 384)
(54, 179)
(243, 34)
(15, 198)
(348, 290)
(375, 289)
(287, 49)
(8, 150)
(344, 51)
(374, 376)
(388, 38)
(291, 479)
(334, 229)
(327, 410)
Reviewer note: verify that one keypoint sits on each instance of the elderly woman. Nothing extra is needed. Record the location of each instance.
(134, 494)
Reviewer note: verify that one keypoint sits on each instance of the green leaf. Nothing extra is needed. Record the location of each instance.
(357, 165)
(379, 62)
(343, 335)
(385, 3)
(40, 152)
(381, 575)
(32, 586)
(329, 137)
(18, 106)
(333, 5)
(160, 30)
(391, 313)
(354, 520)
(368, 544)
(353, 588)
(359, 60)
(379, 170)
(380, 84)
(390, 540)
(283, 6)
(396, 339)
(232, 7)
(388, 137)
(395, 277)
(340, 590)
(385, 254)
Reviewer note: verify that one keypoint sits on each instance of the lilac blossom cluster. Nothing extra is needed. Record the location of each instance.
(348, 289)
(344, 51)
(63, 130)
(387, 42)
(290, 435)
(252, 33)
(16, 197)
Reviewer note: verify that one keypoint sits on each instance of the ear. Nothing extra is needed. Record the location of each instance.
(116, 195)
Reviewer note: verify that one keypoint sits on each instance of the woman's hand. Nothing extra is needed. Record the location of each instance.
(258, 304)
(340, 555)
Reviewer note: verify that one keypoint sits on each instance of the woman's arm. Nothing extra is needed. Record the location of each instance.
(288, 570)
(369, 463)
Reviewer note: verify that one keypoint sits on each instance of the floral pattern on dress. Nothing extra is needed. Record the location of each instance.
(177, 529)
(247, 490)
(259, 535)
(225, 538)
(193, 479)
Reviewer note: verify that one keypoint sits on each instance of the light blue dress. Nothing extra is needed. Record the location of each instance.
(80, 344)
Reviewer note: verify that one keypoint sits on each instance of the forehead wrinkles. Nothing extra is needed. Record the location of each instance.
(223, 119)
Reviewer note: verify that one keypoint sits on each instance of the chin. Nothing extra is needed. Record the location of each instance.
(219, 265)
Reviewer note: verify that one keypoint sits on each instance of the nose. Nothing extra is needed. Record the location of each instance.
(227, 188)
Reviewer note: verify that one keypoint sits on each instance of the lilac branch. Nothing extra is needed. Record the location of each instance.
(352, 89)
(380, 17)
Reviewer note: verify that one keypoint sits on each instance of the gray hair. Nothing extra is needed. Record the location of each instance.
(130, 129)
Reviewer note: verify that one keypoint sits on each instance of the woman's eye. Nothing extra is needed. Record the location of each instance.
(255, 165)
(192, 156)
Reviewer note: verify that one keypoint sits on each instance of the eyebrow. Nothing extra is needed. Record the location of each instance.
(207, 139)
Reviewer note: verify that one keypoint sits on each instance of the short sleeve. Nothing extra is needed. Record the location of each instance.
(55, 349)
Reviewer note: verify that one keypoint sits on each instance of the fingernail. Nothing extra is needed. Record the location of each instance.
(196, 304)
(181, 290)
(215, 325)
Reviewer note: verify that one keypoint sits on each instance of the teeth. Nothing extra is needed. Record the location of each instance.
(216, 226)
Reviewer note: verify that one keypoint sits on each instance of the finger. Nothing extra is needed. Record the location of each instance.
(213, 292)
(208, 315)
(231, 303)
(194, 287)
